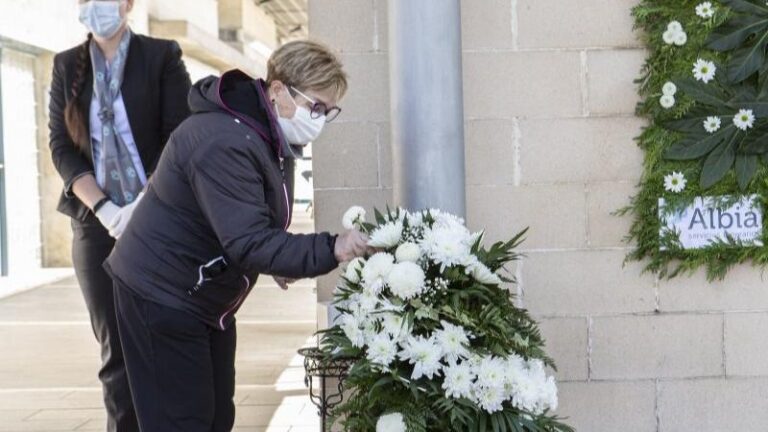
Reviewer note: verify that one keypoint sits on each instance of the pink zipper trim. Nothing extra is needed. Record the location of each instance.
(237, 302)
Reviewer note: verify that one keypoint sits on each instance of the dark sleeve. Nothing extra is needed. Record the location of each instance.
(229, 189)
(174, 87)
(68, 159)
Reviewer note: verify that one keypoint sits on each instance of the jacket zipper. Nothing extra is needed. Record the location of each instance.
(237, 302)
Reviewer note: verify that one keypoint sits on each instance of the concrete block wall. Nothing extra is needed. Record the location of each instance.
(549, 101)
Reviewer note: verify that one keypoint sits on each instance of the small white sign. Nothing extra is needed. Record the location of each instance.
(708, 220)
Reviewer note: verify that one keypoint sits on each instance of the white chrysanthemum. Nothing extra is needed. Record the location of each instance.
(415, 219)
(447, 245)
(368, 300)
(490, 399)
(481, 273)
(406, 280)
(353, 217)
(705, 10)
(377, 268)
(704, 70)
(408, 252)
(667, 101)
(458, 380)
(669, 37)
(669, 88)
(351, 326)
(382, 350)
(391, 423)
(395, 325)
(453, 341)
(387, 235)
(681, 38)
(424, 354)
(352, 273)
(744, 119)
(447, 220)
(490, 372)
(675, 26)
(712, 124)
(675, 182)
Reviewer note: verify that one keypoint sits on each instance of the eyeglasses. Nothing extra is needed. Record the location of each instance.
(319, 109)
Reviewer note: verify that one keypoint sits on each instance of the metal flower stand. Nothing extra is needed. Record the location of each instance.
(320, 372)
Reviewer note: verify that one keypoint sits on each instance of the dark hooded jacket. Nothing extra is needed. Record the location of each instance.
(217, 208)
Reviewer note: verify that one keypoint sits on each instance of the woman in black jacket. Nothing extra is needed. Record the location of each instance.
(114, 101)
(214, 217)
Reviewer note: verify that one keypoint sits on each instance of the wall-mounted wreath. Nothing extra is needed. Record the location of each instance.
(704, 90)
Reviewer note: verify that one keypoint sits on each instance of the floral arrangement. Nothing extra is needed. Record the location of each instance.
(439, 342)
(705, 94)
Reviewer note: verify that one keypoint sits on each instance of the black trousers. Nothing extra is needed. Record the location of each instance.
(90, 247)
(182, 371)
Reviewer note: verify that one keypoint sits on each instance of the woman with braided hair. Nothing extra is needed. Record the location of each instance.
(115, 99)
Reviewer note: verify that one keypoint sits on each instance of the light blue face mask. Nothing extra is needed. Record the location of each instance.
(102, 18)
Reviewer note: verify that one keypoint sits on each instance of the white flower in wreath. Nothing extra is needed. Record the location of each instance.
(681, 39)
(352, 272)
(712, 124)
(704, 70)
(391, 423)
(353, 217)
(675, 26)
(675, 182)
(382, 350)
(387, 235)
(406, 280)
(458, 380)
(669, 37)
(744, 119)
(667, 101)
(669, 88)
(350, 325)
(453, 340)
(408, 252)
(675, 35)
(481, 273)
(491, 399)
(705, 10)
(424, 354)
(377, 268)
(447, 245)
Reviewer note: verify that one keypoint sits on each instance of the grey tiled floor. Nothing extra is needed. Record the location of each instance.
(49, 359)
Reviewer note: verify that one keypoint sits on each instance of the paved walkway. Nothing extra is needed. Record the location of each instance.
(49, 359)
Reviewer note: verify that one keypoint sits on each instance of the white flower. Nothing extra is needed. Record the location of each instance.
(669, 88)
(712, 124)
(458, 380)
(352, 273)
(394, 325)
(482, 273)
(353, 217)
(391, 423)
(705, 10)
(675, 26)
(680, 38)
(387, 235)
(490, 398)
(453, 340)
(424, 354)
(382, 350)
(350, 325)
(669, 37)
(408, 252)
(704, 70)
(447, 245)
(675, 182)
(406, 280)
(490, 372)
(667, 101)
(377, 268)
(745, 119)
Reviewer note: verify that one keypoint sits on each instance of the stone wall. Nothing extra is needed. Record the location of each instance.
(549, 101)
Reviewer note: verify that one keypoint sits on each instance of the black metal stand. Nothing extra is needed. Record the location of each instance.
(319, 367)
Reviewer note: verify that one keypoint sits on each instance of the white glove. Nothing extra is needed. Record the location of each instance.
(107, 214)
(120, 222)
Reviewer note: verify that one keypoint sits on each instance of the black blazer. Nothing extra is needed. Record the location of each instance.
(155, 87)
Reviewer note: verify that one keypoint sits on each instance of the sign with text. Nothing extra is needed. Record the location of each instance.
(713, 219)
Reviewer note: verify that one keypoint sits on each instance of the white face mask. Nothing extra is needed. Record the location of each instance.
(301, 129)
(102, 18)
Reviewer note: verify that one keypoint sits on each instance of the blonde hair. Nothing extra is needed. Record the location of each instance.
(307, 65)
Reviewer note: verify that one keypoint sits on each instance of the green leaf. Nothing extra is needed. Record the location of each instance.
(756, 142)
(718, 163)
(746, 61)
(746, 6)
(733, 35)
(746, 166)
(700, 92)
(698, 146)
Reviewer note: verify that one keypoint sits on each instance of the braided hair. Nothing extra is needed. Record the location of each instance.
(74, 114)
